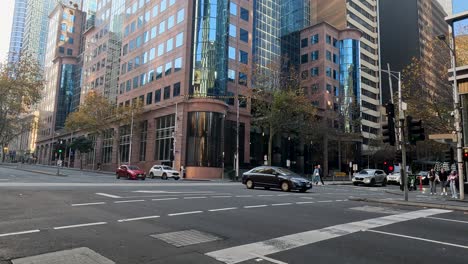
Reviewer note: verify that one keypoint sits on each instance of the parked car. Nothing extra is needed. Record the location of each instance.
(164, 172)
(424, 175)
(275, 177)
(370, 177)
(131, 172)
(394, 178)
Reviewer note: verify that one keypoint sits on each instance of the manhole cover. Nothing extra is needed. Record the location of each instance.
(186, 238)
(74, 256)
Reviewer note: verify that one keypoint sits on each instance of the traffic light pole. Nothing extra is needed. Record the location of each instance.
(401, 117)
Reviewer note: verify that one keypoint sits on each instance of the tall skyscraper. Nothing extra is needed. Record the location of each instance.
(17, 31)
(361, 15)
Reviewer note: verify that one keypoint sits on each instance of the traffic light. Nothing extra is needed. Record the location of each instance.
(449, 156)
(465, 154)
(415, 130)
(398, 156)
(388, 167)
(388, 130)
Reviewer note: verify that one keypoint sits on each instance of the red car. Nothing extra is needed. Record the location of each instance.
(131, 172)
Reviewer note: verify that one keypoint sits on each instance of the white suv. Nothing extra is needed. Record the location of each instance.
(164, 172)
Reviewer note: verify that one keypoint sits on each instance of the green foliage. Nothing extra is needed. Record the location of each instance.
(20, 88)
(82, 144)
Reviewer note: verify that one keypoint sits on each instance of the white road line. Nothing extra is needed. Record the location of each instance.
(222, 196)
(244, 252)
(83, 204)
(305, 202)
(256, 206)
(339, 200)
(327, 201)
(279, 204)
(419, 238)
(286, 194)
(109, 195)
(265, 195)
(138, 218)
(244, 195)
(199, 197)
(307, 198)
(80, 225)
(20, 233)
(129, 201)
(186, 213)
(164, 199)
(223, 209)
(269, 259)
(450, 220)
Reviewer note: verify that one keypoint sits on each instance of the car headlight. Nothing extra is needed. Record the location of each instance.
(366, 180)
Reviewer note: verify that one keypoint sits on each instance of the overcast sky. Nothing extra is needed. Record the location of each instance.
(6, 17)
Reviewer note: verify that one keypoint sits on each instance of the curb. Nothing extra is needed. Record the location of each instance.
(426, 205)
(36, 171)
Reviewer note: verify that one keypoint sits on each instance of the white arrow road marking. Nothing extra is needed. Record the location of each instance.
(109, 195)
(244, 252)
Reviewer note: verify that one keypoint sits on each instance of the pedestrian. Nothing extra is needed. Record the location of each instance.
(432, 181)
(453, 181)
(443, 175)
(316, 175)
(321, 174)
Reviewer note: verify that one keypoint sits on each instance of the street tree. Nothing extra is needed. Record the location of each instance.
(83, 145)
(21, 85)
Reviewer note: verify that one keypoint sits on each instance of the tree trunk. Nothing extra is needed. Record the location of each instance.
(325, 156)
(81, 161)
(270, 146)
(339, 153)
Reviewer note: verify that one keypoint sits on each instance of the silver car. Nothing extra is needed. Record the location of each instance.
(370, 177)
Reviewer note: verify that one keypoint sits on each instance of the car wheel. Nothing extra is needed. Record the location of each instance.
(372, 183)
(285, 186)
(117, 176)
(384, 183)
(176, 178)
(152, 175)
(143, 179)
(164, 176)
(355, 183)
(249, 184)
(303, 190)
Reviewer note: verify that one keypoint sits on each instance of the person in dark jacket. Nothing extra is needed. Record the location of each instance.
(321, 174)
(443, 175)
(432, 181)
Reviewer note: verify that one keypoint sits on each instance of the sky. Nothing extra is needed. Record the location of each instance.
(460, 5)
(6, 18)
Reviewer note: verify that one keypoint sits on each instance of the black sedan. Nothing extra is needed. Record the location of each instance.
(275, 177)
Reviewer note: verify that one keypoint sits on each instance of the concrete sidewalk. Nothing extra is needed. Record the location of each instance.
(52, 170)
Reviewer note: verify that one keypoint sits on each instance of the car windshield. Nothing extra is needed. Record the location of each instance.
(364, 172)
(167, 168)
(133, 168)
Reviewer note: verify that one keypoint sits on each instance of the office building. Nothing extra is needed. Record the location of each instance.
(17, 30)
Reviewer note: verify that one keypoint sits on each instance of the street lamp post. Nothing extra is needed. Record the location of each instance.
(456, 108)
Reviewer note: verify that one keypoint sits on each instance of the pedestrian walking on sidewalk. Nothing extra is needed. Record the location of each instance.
(321, 174)
(453, 181)
(443, 175)
(316, 175)
(432, 181)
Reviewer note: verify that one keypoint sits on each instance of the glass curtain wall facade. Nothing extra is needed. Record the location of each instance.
(209, 73)
(65, 94)
(350, 83)
(17, 30)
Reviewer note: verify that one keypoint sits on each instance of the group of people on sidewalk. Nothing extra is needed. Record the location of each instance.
(445, 179)
(317, 175)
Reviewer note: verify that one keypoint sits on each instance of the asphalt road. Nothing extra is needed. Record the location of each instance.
(87, 218)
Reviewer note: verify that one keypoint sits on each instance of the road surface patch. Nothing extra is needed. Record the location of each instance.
(72, 256)
(186, 238)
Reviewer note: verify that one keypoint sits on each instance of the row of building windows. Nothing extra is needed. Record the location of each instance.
(315, 39)
(242, 78)
(243, 34)
(243, 14)
(243, 55)
(152, 75)
(69, 51)
(138, 5)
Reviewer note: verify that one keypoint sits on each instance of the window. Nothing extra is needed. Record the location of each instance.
(328, 39)
(135, 82)
(62, 37)
(232, 30)
(304, 43)
(159, 72)
(142, 79)
(304, 58)
(143, 138)
(242, 78)
(165, 126)
(335, 75)
(243, 57)
(157, 96)
(132, 27)
(314, 71)
(176, 90)
(163, 5)
(153, 32)
(170, 22)
(169, 45)
(179, 39)
(329, 55)
(178, 64)
(168, 68)
(162, 27)
(180, 16)
(138, 41)
(329, 88)
(155, 10)
(151, 76)
(107, 143)
(231, 75)
(335, 58)
(167, 92)
(314, 55)
(69, 52)
(128, 86)
(124, 143)
(171, 2)
(125, 50)
(130, 65)
(149, 98)
(140, 21)
(122, 88)
(233, 8)
(304, 75)
(314, 39)
(146, 36)
(244, 14)
(145, 57)
(137, 62)
(160, 49)
(244, 35)
(62, 50)
(147, 16)
(64, 27)
(232, 53)
(328, 72)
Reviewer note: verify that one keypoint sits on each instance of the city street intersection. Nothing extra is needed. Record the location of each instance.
(86, 217)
